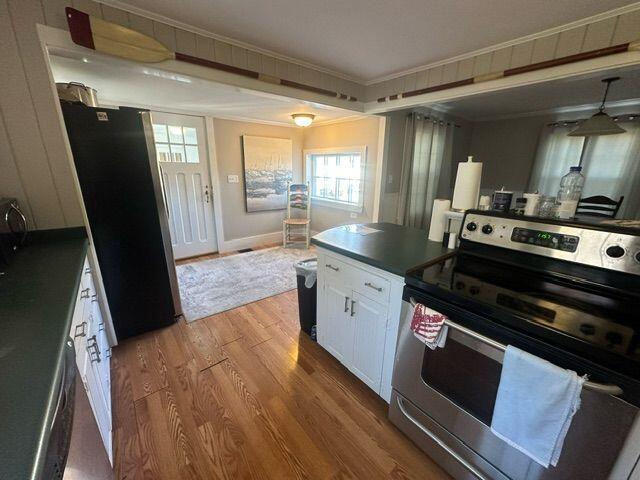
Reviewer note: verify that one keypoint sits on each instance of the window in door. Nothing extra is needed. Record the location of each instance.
(336, 176)
(176, 143)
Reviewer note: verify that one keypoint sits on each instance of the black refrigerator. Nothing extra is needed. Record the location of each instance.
(115, 159)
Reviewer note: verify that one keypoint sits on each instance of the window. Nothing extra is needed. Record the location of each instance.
(609, 163)
(176, 143)
(336, 176)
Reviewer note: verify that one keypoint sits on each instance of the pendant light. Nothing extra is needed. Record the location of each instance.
(600, 123)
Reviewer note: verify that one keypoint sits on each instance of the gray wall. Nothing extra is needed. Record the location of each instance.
(507, 149)
(228, 138)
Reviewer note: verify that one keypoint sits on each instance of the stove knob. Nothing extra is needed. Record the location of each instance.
(638, 257)
(472, 226)
(487, 229)
(615, 251)
(614, 338)
(474, 290)
(587, 329)
(460, 285)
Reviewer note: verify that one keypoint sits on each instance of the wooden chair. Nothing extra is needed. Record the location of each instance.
(296, 228)
(599, 206)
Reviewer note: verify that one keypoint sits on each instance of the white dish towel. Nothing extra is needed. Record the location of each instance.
(535, 404)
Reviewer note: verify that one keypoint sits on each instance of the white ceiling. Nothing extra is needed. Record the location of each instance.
(367, 39)
(119, 82)
(576, 94)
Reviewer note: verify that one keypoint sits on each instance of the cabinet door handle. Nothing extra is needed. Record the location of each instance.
(81, 330)
(353, 310)
(94, 297)
(93, 349)
(84, 293)
(371, 285)
(346, 304)
(87, 270)
(335, 269)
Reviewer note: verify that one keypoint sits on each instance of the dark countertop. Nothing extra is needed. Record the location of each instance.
(37, 297)
(395, 248)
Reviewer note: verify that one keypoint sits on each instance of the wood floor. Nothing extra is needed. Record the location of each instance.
(245, 394)
(210, 256)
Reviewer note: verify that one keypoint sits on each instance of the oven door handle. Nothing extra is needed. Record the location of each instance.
(473, 470)
(608, 389)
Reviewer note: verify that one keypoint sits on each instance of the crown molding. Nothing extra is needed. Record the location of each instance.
(121, 5)
(527, 38)
(335, 121)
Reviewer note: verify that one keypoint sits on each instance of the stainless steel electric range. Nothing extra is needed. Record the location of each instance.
(566, 292)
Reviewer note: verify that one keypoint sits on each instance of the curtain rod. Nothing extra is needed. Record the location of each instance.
(627, 117)
(435, 120)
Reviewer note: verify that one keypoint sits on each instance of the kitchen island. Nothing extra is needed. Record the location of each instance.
(359, 304)
(393, 248)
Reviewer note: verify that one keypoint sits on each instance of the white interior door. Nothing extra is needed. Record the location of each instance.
(184, 165)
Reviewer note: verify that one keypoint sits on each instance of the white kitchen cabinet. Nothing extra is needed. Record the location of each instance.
(369, 321)
(93, 355)
(358, 314)
(338, 322)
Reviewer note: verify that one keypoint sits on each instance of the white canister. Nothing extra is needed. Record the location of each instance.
(533, 204)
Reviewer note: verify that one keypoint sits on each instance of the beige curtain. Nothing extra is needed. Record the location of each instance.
(427, 148)
(610, 164)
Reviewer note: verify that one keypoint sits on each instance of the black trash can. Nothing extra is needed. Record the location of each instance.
(306, 273)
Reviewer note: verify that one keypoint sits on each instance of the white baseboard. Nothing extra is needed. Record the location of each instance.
(250, 242)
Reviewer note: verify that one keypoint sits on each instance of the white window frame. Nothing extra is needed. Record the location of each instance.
(169, 143)
(326, 202)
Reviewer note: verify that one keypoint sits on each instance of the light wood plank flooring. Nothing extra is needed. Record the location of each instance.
(245, 394)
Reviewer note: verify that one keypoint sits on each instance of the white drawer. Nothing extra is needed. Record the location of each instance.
(336, 269)
(371, 285)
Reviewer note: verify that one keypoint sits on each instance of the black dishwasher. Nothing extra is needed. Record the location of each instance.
(62, 423)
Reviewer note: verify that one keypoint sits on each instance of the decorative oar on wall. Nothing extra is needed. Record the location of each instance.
(602, 52)
(113, 39)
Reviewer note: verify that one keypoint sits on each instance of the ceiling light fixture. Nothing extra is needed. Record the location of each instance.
(303, 119)
(600, 123)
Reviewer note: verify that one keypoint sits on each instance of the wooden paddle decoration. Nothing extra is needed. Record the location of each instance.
(623, 47)
(118, 41)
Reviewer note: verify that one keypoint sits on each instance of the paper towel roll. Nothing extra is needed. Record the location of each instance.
(533, 203)
(438, 219)
(467, 188)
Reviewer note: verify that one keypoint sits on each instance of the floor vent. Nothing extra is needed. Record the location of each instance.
(245, 250)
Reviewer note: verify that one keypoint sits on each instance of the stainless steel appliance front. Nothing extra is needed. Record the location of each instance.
(444, 400)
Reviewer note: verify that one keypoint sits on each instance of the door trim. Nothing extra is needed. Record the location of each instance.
(215, 183)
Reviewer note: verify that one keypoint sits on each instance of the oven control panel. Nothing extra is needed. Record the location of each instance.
(568, 241)
(557, 241)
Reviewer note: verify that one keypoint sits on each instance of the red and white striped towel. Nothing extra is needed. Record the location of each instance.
(428, 326)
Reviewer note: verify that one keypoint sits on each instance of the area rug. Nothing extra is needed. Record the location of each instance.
(213, 286)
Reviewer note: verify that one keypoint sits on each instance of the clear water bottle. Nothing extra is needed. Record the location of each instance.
(569, 193)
